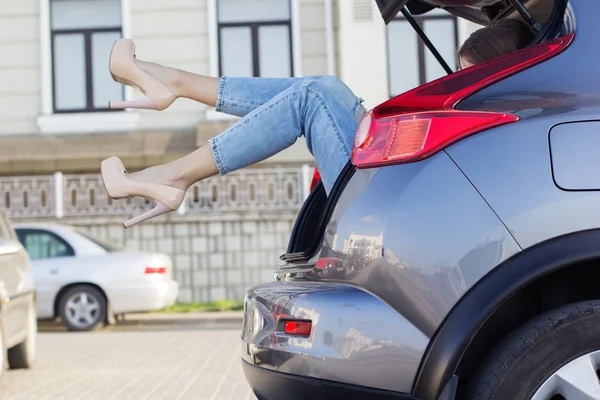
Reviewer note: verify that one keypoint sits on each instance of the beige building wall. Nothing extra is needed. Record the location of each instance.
(19, 67)
(363, 55)
(314, 50)
(181, 33)
(172, 33)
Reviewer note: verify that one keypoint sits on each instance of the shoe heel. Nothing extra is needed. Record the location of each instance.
(160, 209)
(146, 103)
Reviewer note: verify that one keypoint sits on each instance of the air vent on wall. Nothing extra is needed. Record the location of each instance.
(362, 10)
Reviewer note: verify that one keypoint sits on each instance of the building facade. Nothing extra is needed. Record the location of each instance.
(363, 245)
(55, 84)
(55, 127)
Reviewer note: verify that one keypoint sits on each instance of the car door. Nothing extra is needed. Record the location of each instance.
(48, 253)
(14, 282)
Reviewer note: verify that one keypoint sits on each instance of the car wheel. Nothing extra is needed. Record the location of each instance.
(82, 308)
(555, 356)
(23, 354)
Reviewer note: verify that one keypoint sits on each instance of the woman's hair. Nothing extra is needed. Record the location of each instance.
(495, 40)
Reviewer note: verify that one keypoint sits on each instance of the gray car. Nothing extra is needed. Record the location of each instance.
(472, 204)
(18, 316)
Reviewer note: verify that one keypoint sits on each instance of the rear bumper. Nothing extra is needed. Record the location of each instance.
(154, 295)
(270, 385)
(356, 339)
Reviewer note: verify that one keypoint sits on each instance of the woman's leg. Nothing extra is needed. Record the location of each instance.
(240, 96)
(236, 96)
(322, 109)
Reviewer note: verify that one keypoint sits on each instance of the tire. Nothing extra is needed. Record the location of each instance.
(91, 316)
(23, 354)
(535, 354)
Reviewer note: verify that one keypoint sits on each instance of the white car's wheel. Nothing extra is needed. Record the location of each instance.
(82, 308)
(23, 354)
(555, 356)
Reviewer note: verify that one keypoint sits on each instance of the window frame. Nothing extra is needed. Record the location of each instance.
(213, 49)
(89, 85)
(421, 48)
(254, 27)
(22, 232)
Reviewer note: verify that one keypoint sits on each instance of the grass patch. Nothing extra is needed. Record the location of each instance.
(220, 305)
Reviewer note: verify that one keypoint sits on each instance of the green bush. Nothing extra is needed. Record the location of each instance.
(219, 305)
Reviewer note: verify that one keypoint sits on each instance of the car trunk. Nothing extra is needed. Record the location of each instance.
(308, 232)
(479, 11)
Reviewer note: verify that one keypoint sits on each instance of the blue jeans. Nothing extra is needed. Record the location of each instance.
(276, 111)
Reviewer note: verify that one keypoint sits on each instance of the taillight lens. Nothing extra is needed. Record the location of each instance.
(155, 270)
(413, 137)
(299, 328)
(363, 129)
(423, 121)
(316, 178)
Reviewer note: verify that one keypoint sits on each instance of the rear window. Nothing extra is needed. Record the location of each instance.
(106, 245)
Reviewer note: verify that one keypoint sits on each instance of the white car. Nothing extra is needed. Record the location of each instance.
(84, 280)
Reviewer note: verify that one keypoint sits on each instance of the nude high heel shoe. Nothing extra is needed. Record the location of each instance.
(124, 70)
(119, 185)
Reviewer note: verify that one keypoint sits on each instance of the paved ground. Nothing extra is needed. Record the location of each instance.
(137, 359)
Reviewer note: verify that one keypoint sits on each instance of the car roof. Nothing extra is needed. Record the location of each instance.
(43, 225)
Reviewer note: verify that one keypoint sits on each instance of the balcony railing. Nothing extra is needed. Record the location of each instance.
(61, 195)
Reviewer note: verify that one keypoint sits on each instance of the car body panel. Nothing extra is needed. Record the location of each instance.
(125, 293)
(523, 192)
(417, 278)
(119, 274)
(476, 314)
(17, 286)
(16, 290)
(352, 330)
(421, 274)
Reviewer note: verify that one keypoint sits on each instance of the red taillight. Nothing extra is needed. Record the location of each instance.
(423, 121)
(155, 270)
(299, 328)
(316, 178)
(415, 136)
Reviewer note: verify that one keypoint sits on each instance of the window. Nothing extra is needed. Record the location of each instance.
(42, 244)
(410, 63)
(255, 38)
(82, 35)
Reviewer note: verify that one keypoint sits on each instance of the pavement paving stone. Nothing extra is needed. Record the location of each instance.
(149, 364)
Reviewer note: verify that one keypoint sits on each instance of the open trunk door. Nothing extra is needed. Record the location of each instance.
(482, 12)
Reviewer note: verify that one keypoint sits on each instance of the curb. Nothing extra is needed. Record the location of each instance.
(193, 318)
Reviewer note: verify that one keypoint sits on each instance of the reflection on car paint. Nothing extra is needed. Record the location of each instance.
(420, 272)
(351, 329)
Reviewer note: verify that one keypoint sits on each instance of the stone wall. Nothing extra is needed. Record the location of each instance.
(227, 236)
(215, 256)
